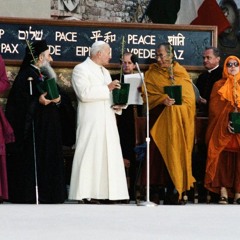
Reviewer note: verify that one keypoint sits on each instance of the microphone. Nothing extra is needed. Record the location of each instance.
(134, 60)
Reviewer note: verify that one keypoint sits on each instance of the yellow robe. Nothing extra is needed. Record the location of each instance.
(173, 132)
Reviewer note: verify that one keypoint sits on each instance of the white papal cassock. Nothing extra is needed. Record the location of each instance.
(98, 169)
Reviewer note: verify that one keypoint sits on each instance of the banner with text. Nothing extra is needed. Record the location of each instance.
(70, 41)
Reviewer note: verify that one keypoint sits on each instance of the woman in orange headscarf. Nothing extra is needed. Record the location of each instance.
(223, 160)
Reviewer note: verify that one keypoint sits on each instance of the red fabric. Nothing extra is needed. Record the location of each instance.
(6, 136)
(4, 83)
(159, 175)
(210, 13)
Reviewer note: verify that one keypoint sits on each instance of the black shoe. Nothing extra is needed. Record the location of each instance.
(172, 199)
(236, 201)
(91, 201)
(223, 200)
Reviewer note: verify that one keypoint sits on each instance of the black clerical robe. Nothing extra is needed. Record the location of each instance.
(38, 131)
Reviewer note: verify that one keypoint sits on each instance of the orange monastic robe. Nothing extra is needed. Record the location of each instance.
(218, 138)
(173, 132)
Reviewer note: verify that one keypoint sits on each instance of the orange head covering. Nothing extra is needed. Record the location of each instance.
(231, 89)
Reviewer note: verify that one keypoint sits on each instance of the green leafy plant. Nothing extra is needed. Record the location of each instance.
(170, 69)
(122, 52)
(31, 49)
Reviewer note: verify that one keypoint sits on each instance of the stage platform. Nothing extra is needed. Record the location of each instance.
(72, 221)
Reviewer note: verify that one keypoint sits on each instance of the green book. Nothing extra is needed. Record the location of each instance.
(120, 96)
(49, 86)
(174, 91)
(234, 117)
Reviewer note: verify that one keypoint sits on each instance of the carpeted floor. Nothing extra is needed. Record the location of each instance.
(119, 222)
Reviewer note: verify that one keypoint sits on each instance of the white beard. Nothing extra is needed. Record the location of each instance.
(47, 71)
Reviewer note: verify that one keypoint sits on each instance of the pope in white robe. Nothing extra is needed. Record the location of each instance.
(98, 169)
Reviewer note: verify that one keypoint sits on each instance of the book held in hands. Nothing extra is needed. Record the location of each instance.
(49, 86)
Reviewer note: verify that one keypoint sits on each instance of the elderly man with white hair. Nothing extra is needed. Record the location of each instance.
(98, 170)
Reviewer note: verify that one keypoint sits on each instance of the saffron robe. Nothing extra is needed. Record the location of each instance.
(173, 131)
(223, 146)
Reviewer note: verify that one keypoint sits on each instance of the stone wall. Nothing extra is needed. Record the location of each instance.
(99, 10)
(25, 8)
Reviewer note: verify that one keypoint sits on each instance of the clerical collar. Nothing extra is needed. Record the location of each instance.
(213, 69)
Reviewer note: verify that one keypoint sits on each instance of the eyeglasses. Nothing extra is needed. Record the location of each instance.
(160, 56)
(231, 64)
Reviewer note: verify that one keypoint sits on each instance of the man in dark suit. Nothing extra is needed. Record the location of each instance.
(126, 126)
(205, 81)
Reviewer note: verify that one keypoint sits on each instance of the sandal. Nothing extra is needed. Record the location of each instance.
(223, 200)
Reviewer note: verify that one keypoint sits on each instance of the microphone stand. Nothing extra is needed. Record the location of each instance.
(30, 79)
(147, 203)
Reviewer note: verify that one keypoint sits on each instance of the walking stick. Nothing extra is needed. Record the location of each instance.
(30, 79)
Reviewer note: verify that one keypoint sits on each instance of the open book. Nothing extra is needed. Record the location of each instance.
(134, 93)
